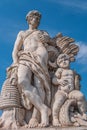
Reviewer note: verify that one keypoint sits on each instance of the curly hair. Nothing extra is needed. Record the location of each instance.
(33, 13)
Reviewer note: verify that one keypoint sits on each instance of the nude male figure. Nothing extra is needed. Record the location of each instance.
(32, 42)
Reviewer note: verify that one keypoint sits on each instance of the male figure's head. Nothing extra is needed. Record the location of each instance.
(63, 61)
(33, 18)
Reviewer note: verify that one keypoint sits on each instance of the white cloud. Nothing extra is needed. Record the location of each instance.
(82, 55)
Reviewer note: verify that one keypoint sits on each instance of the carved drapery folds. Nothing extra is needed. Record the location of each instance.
(40, 88)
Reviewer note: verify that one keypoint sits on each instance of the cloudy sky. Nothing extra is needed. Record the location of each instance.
(66, 16)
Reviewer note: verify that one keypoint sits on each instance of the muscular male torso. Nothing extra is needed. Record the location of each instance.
(34, 42)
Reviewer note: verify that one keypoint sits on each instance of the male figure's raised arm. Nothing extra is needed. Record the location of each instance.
(17, 46)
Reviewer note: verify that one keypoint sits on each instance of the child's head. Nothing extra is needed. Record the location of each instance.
(63, 61)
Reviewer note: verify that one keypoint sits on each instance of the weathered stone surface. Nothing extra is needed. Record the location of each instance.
(66, 128)
(40, 88)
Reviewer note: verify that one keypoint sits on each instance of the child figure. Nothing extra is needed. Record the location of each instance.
(65, 80)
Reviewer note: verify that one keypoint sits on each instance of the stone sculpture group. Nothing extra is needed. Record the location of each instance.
(40, 88)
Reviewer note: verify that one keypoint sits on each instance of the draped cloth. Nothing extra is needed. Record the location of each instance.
(30, 60)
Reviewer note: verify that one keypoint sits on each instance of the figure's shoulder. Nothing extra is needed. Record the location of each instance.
(43, 32)
(58, 71)
(21, 33)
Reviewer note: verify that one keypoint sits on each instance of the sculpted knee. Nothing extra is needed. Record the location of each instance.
(76, 95)
(24, 80)
(34, 90)
(60, 97)
(21, 83)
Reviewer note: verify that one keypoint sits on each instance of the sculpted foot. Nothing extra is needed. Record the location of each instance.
(45, 117)
(56, 122)
(42, 125)
(33, 123)
(84, 116)
(76, 124)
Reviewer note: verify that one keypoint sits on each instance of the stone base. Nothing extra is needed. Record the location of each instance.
(52, 128)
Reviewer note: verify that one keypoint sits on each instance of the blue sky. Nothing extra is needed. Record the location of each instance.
(66, 16)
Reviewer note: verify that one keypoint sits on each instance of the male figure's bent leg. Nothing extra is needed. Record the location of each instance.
(35, 115)
(24, 81)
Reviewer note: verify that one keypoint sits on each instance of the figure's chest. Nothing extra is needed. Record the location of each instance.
(67, 73)
(32, 36)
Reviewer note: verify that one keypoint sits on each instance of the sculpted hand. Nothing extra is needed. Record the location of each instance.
(62, 82)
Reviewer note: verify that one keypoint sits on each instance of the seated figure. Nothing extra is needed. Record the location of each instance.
(65, 80)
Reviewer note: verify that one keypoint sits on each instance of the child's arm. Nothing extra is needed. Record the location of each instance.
(57, 76)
